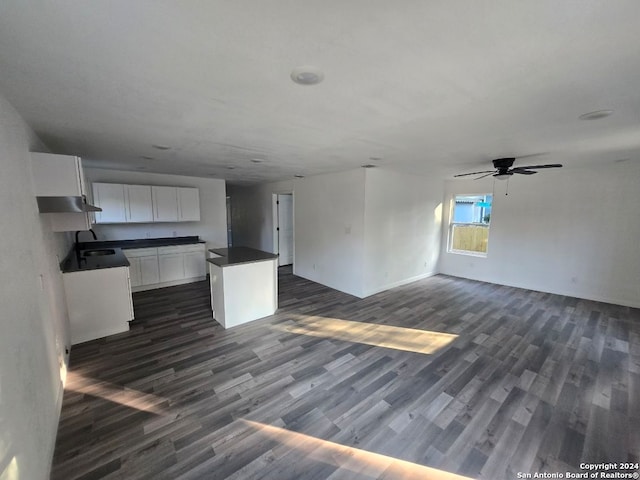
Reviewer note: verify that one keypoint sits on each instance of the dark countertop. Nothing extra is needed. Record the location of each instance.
(78, 263)
(143, 242)
(238, 255)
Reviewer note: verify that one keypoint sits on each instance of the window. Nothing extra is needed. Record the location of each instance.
(469, 228)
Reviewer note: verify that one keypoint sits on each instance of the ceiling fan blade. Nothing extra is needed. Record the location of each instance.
(473, 173)
(482, 176)
(522, 171)
(535, 167)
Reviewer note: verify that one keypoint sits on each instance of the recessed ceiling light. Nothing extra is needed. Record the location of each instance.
(299, 176)
(231, 168)
(375, 159)
(622, 160)
(598, 114)
(307, 75)
(257, 160)
(146, 157)
(161, 147)
(368, 165)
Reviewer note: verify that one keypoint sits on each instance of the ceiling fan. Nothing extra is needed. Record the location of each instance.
(503, 169)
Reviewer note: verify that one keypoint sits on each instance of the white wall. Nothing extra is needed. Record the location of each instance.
(329, 230)
(252, 216)
(572, 231)
(402, 228)
(212, 226)
(34, 322)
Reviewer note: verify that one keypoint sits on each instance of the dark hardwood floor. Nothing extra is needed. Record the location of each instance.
(443, 374)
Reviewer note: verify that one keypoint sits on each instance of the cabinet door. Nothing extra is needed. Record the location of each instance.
(149, 270)
(171, 267)
(57, 175)
(189, 204)
(165, 204)
(134, 272)
(110, 198)
(139, 206)
(194, 265)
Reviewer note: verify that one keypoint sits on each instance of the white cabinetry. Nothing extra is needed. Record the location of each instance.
(144, 267)
(60, 176)
(110, 198)
(194, 261)
(171, 262)
(139, 207)
(123, 203)
(165, 266)
(99, 302)
(188, 204)
(165, 204)
(57, 175)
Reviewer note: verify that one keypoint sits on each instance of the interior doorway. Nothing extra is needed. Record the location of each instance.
(283, 227)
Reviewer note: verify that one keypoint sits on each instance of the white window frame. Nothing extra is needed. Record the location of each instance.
(453, 224)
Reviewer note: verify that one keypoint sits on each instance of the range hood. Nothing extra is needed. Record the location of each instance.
(65, 205)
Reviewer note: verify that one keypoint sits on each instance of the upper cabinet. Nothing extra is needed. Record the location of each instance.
(145, 203)
(165, 204)
(57, 175)
(188, 204)
(110, 198)
(61, 176)
(139, 207)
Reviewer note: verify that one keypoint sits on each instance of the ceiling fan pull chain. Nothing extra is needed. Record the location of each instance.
(507, 192)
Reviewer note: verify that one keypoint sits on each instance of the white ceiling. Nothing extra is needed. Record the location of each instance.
(431, 87)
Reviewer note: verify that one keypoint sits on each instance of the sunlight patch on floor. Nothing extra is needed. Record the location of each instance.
(350, 458)
(115, 393)
(388, 336)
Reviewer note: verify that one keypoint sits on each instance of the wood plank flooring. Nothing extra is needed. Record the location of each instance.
(477, 379)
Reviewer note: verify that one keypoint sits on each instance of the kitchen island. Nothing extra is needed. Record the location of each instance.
(244, 284)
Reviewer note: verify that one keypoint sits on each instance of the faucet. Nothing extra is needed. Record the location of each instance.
(78, 233)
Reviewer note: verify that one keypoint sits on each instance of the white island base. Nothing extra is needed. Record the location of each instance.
(242, 291)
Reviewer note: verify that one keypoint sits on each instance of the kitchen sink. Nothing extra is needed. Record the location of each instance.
(99, 252)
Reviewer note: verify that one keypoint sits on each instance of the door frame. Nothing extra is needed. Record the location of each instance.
(274, 223)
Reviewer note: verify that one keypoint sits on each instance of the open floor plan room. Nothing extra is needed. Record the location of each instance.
(441, 375)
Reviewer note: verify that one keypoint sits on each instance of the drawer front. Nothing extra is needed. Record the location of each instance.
(199, 247)
(170, 250)
(140, 252)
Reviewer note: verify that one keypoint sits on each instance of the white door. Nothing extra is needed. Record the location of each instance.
(194, 265)
(149, 270)
(139, 206)
(189, 204)
(171, 267)
(110, 198)
(165, 204)
(285, 229)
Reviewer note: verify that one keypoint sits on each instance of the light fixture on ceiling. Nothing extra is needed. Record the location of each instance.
(307, 75)
(598, 114)
(146, 157)
(161, 147)
(369, 165)
(257, 160)
(231, 167)
(621, 160)
(503, 176)
(375, 159)
(298, 176)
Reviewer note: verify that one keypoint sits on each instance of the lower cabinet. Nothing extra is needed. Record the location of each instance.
(99, 302)
(171, 266)
(165, 266)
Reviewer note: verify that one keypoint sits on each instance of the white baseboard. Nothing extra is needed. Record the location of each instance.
(399, 283)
